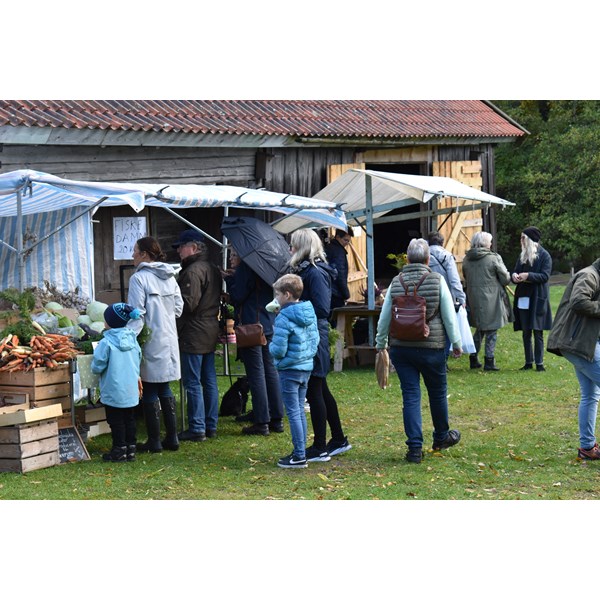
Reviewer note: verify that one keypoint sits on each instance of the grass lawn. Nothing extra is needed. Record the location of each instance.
(519, 442)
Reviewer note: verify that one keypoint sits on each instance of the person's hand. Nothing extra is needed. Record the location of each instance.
(140, 387)
(515, 278)
(524, 276)
(457, 352)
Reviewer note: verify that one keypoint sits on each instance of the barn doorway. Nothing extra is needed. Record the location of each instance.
(393, 238)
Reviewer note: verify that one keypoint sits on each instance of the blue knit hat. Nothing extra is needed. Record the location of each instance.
(117, 315)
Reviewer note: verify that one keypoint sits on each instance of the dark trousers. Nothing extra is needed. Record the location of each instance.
(263, 380)
(537, 352)
(323, 410)
(122, 425)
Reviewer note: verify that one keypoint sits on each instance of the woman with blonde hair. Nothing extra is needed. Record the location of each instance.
(309, 262)
(532, 296)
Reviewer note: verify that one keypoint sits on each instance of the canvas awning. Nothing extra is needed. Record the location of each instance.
(366, 196)
(39, 205)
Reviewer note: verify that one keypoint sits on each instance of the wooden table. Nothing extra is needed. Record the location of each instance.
(344, 345)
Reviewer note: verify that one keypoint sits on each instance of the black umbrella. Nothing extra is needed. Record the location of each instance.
(262, 248)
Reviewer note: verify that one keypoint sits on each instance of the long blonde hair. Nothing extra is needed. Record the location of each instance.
(529, 250)
(307, 245)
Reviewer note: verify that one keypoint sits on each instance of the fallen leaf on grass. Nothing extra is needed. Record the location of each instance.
(557, 484)
(323, 477)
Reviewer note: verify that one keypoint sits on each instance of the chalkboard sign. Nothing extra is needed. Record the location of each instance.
(70, 446)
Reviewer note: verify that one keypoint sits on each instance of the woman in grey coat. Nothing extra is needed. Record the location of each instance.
(486, 276)
(153, 289)
(532, 296)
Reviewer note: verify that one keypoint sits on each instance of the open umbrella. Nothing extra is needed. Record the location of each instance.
(262, 248)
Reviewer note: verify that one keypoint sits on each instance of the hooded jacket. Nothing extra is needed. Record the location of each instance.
(200, 285)
(154, 290)
(577, 322)
(485, 278)
(295, 337)
(317, 279)
(337, 257)
(441, 261)
(117, 360)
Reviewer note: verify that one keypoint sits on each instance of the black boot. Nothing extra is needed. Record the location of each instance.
(474, 361)
(168, 407)
(152, 418)
(490, 364)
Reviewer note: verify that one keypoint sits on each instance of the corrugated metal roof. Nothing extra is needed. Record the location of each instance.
(304, 118)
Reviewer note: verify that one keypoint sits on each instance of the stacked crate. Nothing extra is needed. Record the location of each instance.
(31, 412)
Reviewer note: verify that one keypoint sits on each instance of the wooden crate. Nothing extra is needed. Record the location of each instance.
(30, 415)
(28, 447)
(90, 414)
(44, 386)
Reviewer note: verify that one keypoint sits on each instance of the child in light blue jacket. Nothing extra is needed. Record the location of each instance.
(293, 347)
(117, 359)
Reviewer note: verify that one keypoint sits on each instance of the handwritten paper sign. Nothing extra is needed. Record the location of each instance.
(126, 232)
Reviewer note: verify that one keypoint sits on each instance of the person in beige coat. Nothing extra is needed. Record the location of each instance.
(486, 277)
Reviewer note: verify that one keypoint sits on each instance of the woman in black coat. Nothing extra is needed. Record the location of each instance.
(532, 296)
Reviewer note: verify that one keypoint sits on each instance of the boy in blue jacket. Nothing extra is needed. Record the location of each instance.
(293, 346)
(117, 359)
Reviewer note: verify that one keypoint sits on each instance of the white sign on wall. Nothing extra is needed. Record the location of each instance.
(126, 232)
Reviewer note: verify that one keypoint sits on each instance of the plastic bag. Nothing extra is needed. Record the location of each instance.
(47, 321)
(468, 345)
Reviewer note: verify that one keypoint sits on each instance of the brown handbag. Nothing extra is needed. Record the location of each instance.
(250, 335)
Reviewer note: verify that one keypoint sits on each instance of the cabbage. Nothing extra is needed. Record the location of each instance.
(64, 321)
(97, 326)
(85, 319)
(53, 306)
(95, 310)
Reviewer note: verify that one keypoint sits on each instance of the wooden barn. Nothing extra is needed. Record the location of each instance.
(294, 147)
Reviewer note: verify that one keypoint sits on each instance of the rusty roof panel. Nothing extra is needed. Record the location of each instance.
(305, 118)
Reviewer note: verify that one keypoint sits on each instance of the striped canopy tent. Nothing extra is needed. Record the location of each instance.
(46, 221)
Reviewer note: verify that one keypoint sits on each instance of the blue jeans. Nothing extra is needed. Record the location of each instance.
(293, 391)
(264, 383)
(411, 364)
(588, 375)
(199, 378)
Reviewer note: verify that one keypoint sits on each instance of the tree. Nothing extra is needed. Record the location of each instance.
(553, 175)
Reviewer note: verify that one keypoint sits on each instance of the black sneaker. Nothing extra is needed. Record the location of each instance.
(131, 452)
(414, 455)
(256, 429)
(334, 447)
(117, 454)
(526, 367)
(191, 436)
(211, 433)
(540, 368)
(315, 455)
(292, 462)
(452, 438)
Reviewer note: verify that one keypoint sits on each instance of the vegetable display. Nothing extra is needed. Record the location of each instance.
(44, 350)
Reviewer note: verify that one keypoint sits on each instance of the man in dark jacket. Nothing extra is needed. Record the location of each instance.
(574, 335)
(198, 330)
(337, 256)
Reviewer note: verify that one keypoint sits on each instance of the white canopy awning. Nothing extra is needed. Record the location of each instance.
(395, 190)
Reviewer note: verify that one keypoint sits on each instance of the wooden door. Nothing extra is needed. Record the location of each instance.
(357, 251)
(458, 228)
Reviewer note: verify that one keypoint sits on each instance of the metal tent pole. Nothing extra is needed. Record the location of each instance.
(20, 256)
(370, 256)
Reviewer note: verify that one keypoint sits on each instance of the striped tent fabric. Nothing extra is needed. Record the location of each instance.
(63, 259)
